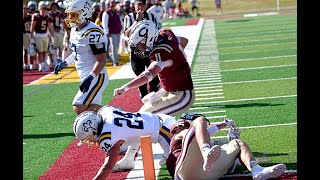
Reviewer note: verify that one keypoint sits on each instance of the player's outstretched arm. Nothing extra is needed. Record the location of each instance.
(109, 161)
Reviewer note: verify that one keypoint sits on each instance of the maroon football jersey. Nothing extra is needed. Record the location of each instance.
(176, 77)
(175, 151)
(57, 18)
(26, 24)
(42, 23)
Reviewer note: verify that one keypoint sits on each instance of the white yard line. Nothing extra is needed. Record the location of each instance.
(249, 59)
(249, 99)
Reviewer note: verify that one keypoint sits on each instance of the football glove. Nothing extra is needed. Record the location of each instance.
(229, 122)
(234, 133)
(84, 86)
(59, 67)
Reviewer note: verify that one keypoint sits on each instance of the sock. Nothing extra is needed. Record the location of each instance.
(255, 167)
(205, 149)
(131, 151)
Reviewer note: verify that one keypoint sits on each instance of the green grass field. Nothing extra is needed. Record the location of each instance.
(256, 59)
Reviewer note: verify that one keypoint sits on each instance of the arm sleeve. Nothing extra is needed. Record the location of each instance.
(70, 59)
(98, 48)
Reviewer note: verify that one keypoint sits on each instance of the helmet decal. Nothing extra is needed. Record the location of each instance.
(88, 125)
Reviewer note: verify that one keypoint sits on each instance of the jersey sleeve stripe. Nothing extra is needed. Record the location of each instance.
(165, 132)
(92, 30)
(105, 135)
(95, 89)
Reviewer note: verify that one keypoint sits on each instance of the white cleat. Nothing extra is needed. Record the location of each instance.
(270, 172)
(212, 156)
(123, 164)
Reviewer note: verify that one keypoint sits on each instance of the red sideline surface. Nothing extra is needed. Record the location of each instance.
(32, 75)
(83, 162)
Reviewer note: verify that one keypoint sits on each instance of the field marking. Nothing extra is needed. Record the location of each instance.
(254, 81)
(250, 59)
(249, 174)
(257, 45)
(211, 112)
(241, 52)
(254, 40)
(210, 94)
(212, 90)
(249, 99)
(263, 67)
(206, 82)
(206, 78)
(208, 87)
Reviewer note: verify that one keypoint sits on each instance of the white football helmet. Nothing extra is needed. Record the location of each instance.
(78, 11)
(87, 127)
(42, 4)
(191, 116)
(145, 32)
(61, 5)
(32, 4)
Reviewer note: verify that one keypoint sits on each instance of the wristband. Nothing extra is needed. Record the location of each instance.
(92, 74)
(213, 129)
(125, 87)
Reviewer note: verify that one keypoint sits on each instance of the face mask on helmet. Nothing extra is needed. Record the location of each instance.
(77, 12)
(191, 116)
(143, 37)
(87, 127)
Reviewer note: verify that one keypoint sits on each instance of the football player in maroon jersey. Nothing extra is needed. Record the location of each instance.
(41, 24)
(187, 161)
(28, 58)
(169, 62)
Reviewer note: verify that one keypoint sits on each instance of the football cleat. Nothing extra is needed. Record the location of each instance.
(270, 172)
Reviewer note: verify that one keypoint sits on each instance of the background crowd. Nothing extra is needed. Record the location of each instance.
(45, 35)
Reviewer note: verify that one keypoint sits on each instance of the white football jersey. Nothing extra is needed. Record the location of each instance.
(80, 44)
(127, 126)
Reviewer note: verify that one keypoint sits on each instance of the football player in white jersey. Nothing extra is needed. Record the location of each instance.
(110, 128)
(88, 43)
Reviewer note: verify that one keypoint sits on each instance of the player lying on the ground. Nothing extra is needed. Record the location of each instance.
(186, 160)
(110, 128)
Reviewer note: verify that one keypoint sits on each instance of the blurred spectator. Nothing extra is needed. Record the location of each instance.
(96, 10)
(57, 24)
(104, 5)
(28, 59)
(41, 24)
(111, 23)
(125, 9)
(172, 10)
(218, 7)
(167, 5)
(194, 7)
(157, 10)
(139, 62)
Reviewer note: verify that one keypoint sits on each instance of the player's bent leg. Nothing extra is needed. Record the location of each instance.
(173, 103)
(211, 157)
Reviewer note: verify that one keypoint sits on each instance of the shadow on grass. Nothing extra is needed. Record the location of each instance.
(238, 20)
(37, 136)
